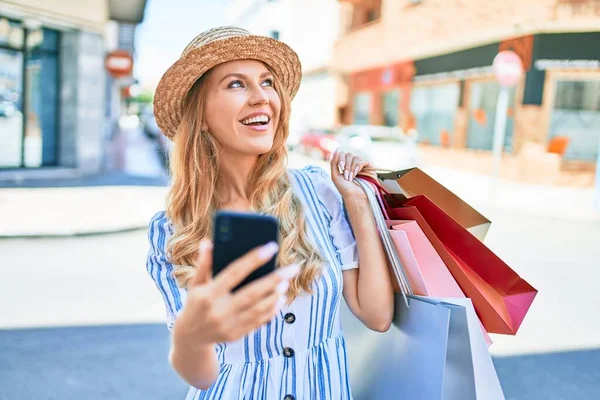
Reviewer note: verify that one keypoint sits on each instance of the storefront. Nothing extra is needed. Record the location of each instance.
(454, 99)
(29, 84)
(451, 99)
(53, 85)
(566, 75)
(381, 96)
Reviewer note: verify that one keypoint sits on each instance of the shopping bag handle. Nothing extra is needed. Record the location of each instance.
(380, 191)
(386, 240)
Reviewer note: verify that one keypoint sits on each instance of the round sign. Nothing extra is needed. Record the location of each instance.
(508, 68)
(119, 63)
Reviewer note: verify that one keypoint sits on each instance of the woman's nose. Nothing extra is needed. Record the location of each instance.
(258, 96)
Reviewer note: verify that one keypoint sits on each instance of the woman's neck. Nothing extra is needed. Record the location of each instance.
(234, 173)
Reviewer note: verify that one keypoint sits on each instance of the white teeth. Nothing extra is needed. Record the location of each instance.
(259, 118)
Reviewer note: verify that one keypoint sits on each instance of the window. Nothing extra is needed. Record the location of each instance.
(275, 35)
(576, 116)
(390, 106)
(28, 96)
(365, 12)
(434, 109)
(362, 108)
(578, 95)
(482, 116)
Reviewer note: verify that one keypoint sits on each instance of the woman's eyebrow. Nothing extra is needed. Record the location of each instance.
(242, 76)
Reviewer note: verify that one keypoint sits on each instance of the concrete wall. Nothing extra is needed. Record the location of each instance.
(82, 101)
(82, 14)
(435, 27)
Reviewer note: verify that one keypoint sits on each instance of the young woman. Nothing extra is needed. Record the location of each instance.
(226, 104)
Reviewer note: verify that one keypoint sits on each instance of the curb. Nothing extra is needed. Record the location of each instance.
(66, 235)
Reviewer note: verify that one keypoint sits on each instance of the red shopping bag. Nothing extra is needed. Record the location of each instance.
(500, 296)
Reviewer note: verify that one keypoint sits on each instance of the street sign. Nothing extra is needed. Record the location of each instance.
(119, 63)
(508, 68)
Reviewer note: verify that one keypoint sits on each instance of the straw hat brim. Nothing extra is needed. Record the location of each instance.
(181, 76)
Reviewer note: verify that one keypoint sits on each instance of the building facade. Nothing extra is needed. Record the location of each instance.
(53, 85)
(426, 65)
(310, 27)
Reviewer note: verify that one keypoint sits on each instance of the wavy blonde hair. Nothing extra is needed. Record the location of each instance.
(192, 199)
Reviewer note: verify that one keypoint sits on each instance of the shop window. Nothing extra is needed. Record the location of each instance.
(434, 109)
(482, 116)
(28, 96)
(11, 100)
(365, 12)
(362, 108)
(576, 118)
(390, 106)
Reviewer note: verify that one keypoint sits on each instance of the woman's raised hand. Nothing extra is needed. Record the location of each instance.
(213, 314)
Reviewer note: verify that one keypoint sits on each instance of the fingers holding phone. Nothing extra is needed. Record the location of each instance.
(203, 263)
(246, 290)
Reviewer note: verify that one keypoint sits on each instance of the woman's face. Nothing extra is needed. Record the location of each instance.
(242, 107)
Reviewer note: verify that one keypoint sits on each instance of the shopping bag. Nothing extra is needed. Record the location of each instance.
(500, 296)
(424, 266)
(426, 271)
(413, 182)
(433, 351)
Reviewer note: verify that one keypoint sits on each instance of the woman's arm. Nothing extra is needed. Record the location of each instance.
(368, 289)
(198, 366)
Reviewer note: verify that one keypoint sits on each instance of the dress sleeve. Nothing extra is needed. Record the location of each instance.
(161, 270)
(340, 231)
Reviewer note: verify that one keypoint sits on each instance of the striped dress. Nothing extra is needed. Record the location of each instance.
(301, 353)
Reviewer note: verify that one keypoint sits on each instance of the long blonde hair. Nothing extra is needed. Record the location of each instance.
(192, 199)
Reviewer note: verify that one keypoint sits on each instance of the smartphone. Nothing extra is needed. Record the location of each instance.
(236, 233)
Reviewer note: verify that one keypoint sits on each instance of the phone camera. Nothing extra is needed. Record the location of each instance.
(224, 230)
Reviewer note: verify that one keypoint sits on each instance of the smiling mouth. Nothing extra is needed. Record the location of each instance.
(256, 121)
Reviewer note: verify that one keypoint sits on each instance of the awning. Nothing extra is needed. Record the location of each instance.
(127, 11)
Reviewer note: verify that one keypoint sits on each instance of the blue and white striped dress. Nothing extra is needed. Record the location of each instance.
(301, 353)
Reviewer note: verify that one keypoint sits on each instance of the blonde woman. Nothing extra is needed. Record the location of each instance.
(226, 104)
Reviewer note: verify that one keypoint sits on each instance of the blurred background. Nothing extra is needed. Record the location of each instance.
(403, 83)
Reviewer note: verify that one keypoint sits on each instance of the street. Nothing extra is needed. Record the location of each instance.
(101, 282)
(85, 320)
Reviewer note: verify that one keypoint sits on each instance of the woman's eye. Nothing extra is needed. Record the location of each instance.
(235, 84)
(267, 82)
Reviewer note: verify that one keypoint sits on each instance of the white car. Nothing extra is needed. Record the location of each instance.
(386, 148)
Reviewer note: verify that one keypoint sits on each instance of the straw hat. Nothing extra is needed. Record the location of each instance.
(213, 47)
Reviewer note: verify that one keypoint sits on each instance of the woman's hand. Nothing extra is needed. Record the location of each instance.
(344, 168)
(214, 314)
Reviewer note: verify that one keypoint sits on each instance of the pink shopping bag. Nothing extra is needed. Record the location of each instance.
(423, 263)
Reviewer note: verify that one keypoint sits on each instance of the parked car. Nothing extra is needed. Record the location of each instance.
(163, 144)
(318, 143)
(386, 148)
(7, 108)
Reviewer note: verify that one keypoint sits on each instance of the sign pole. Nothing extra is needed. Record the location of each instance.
(508, 69)
(499, 135)
(597, 185)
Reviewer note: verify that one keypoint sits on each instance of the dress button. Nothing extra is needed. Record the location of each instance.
(289, 318)
(289, 397)
(288, 352)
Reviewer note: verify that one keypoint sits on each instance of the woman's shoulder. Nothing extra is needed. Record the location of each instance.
(312, 172)
(319, 181)
(159, 226)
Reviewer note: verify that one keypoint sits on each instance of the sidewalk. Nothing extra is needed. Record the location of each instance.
(121, 206)
(74, 211)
